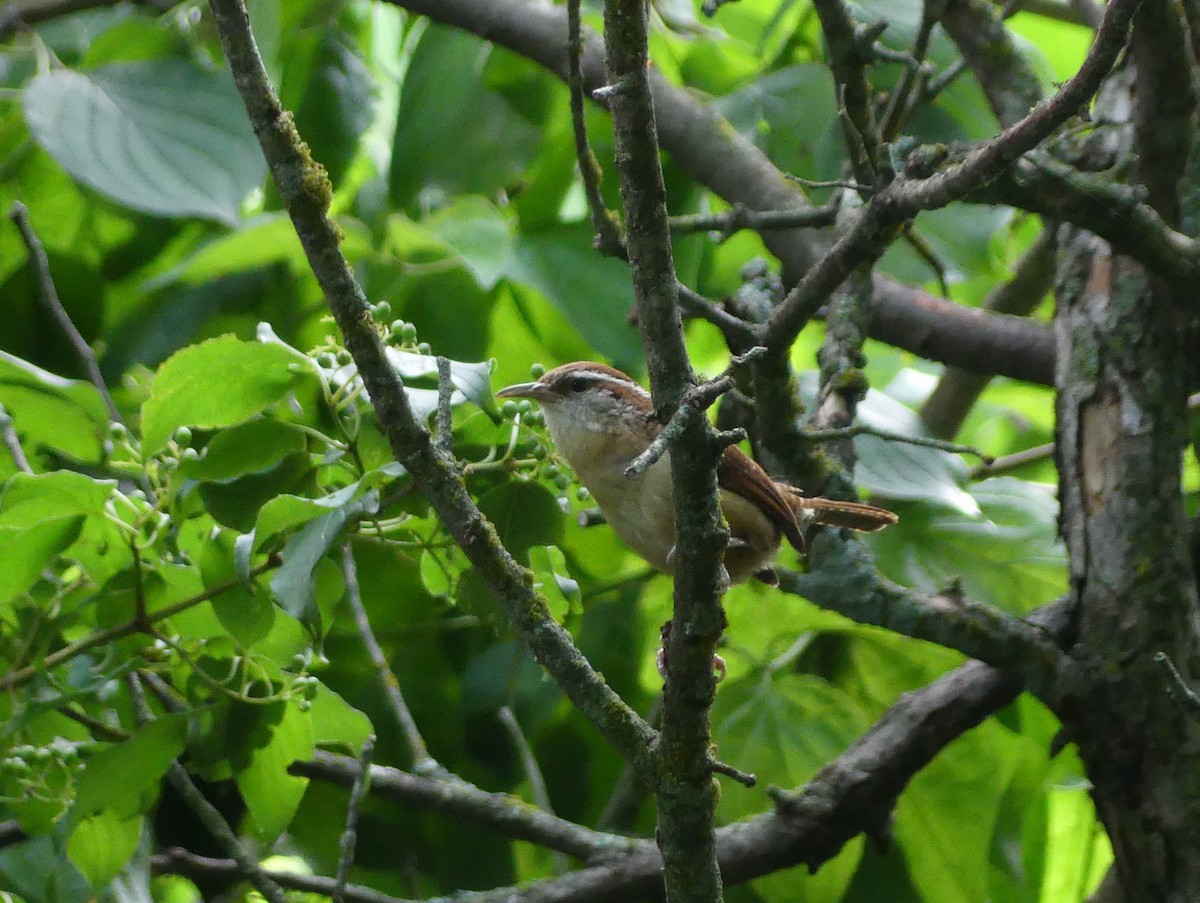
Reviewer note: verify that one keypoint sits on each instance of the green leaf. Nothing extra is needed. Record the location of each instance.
(271, 794)
(285, 512)
(449, 147)
(479, 233)
(337, 724)
(163, 136)
(1010, 555)
(472, 382)
(594, 293)
(217, 383)
(339, 102)
(245, 611)
(115, 777)
(41, 515)
(100, 845)
(293, 583)
(48, 411)
(550, 571)
(524, 514)
(248, 448)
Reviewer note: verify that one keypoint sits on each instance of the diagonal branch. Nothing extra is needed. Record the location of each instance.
(306, 193)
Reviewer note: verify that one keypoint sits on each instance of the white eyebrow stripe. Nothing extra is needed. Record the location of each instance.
(608, 378)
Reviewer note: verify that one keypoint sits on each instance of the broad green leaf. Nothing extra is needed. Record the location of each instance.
(217, 383)
(524, 514)
(285, 512)
(100, 845)
(245, 610)
(115, 777)
(1009, 555)
(338, 104)
(898, 470)
(267, 239)
(248, 448)
(52, 412)
(945, 819)
(480, 234)
(594, 293)
(163, 136)
(271, 794)
(1078, 852)
(337, 724)
(29, 500)
(41, 515)
(449, 147)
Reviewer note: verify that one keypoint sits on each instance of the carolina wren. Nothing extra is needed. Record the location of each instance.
(601, 419)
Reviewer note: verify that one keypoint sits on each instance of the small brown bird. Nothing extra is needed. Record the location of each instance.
(601, 420)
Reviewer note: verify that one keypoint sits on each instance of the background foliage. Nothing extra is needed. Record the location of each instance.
(249, 448)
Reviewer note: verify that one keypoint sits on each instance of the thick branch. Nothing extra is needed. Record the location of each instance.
(843, 578)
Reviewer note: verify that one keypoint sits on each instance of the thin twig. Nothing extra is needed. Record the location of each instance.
(445, 413)
(862, 429)
(1005, 463)
(50, 300)
(216, 825)
(177, 861)
(423, 762)
(738, 333)
(1189, 695)
(13, 442)
(604, 223)
(856, 187)
(739, 217)
(533, 773)
(358, 791)
(742, 777)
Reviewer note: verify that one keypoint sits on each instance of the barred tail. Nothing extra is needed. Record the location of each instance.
(854, 515)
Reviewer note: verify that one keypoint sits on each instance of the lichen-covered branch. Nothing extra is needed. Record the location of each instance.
(459, 799)
(687, 794)
(306, 194)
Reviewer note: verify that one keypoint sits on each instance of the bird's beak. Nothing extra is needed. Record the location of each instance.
(538, 391)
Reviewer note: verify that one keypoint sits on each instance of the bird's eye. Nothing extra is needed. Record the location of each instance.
(577, 383)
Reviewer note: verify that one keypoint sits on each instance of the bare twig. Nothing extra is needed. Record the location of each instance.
(604, 222)
(53, 305)
(459, 799)
(862, 429)
(12, 442)
(1190, 696)
(422, 761)
(533, 772)
(349, 839)
(445, 414)
(178, 861)
(739, 217)
(216, 825)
